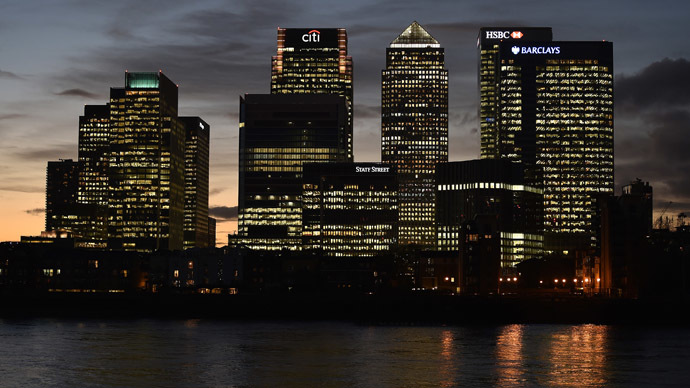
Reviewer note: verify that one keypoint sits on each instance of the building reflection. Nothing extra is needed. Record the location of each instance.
(509, 356)
(447, 371)
(577, 356)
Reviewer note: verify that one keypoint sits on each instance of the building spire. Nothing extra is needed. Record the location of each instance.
(415, 36)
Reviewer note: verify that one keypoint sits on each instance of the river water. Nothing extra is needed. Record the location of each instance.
(193, 353)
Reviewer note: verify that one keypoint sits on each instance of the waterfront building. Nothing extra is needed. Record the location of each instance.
(414, 127)
(278, 134)
(495, 190)
(196, 172)
(315, 61)
(488, 43)
(62, 183)
(555, 116)
(349, 209)
(146, 165)
(94, 143)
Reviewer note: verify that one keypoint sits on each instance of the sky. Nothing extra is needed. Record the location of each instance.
(57, 56)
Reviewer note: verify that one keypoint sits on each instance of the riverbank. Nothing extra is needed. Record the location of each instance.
(374, 309)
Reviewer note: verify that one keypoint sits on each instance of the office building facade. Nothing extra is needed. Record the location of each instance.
(310, 60)
(556, 118)
(488, 44)
(414, 127)
(473, 191)
(94, 143)
(278, 134)
(62, 184)
(349, 209)
(146, 165)
(196, 172)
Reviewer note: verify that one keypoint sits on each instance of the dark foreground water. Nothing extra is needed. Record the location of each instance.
(192, 353)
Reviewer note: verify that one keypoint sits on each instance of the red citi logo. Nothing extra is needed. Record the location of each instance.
(311, 36)
(516, 35)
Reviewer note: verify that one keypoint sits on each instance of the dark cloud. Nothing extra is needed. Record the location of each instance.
(77, 93)
(9, 74)
(367, 112)
(217, 190)
(11, 116)
(223, 213)
(55, 152)
(36, 212)
(22, 188)
(662, 84)
(653, 145)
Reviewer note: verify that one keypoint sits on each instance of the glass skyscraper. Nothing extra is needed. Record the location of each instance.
(196, 171)
(94, 143)
(146, 165)
(555, 116)
(414, 127)
(314, 60)
(278, 134)
(488, 43)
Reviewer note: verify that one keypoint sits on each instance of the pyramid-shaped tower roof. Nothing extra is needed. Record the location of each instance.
(415, 36)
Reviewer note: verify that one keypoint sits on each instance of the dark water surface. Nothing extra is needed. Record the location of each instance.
(193, 353)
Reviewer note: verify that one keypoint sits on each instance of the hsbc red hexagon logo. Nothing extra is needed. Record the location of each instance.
(516, 35)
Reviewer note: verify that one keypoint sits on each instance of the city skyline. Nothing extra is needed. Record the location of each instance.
(49, 76)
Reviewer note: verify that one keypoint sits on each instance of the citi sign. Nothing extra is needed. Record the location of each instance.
(312, 36)
(535, 50)
(503, 34)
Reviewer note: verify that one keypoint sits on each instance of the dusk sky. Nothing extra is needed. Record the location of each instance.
(57, 56)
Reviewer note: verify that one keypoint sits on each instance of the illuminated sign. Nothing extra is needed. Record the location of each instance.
(372, 169)
(535, 50)
(312, 36)
(503, 35)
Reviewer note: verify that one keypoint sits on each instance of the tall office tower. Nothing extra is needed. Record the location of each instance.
(196, 154)
(62, 179)
(489, 68)
(211, 232)
(556, 117)
(146, 166)
(94, 127)
(414, 127)
(349, 209)
(278, 134)
(473, 190)
(314, 61)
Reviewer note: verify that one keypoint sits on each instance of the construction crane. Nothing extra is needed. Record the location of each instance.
(660, 220)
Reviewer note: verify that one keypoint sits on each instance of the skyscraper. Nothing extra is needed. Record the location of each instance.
(349, 209)
(196, 153)
(278, 134)
(414, 127)
(146, 165)
(314, 61)
(94, 127)
(555, 116)
(488, 44)
(62, 179)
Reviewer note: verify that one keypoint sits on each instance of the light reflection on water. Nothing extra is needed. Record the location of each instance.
(151, 353)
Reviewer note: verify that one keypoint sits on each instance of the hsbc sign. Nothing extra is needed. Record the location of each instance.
(503, 35)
